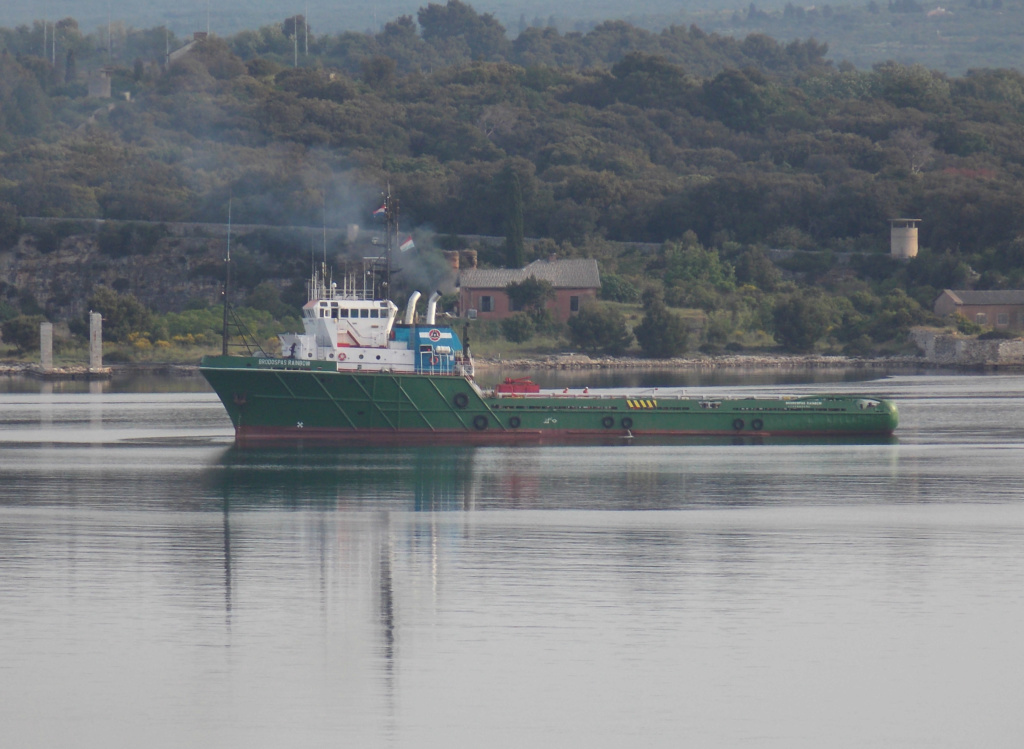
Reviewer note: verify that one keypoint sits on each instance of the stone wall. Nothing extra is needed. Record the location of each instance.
(952, 349)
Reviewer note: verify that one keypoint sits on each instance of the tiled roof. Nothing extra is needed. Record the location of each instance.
(580, 273)
(1005, 296)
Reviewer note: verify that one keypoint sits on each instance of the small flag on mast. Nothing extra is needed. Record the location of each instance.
(381, 212)
(406, 245)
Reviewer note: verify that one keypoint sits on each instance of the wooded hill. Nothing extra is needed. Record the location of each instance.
(720, 147)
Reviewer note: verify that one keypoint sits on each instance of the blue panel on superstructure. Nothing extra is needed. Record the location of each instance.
(435, 349)
(438, 336)
(400, 334)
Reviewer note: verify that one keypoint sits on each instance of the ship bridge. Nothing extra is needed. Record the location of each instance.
(351, 322)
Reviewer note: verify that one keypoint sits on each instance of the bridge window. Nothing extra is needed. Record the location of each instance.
(374, 313)
(364, 313)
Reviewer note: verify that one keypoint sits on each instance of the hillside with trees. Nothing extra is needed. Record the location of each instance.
(719, 152)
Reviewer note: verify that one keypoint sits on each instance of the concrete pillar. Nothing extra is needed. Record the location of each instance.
(95, 341)
(46, 346)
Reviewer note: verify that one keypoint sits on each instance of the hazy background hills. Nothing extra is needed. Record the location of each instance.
(230, 16)
(953, 36)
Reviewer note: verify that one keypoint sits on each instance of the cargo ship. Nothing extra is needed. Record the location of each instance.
(360, 374)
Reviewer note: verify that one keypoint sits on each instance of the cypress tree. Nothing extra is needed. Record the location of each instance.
(515, 253)
(70, 67)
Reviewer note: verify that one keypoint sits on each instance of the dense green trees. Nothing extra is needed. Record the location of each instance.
(724, 154)
(748, 141)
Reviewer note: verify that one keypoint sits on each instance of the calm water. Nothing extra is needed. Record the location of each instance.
(159, 588)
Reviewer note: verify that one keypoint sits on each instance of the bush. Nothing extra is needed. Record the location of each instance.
(966, 326)
(123, 314)
(10, 225)
(7, 311)
(122, 240)
(998, 335)
(22, 332)
(860, 346)
(800, 320)
(518, 328)
(617, 289)
(599, 329)
(661, 334)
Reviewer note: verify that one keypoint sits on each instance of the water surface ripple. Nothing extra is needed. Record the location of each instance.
(162, 588)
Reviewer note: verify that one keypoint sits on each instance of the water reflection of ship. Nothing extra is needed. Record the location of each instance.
(465, 478)
(251, 481)
(422, 480)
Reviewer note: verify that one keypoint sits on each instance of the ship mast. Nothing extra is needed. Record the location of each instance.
(391, 216)
(227, 287)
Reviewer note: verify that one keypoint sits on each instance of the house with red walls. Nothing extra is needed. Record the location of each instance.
(482, 292)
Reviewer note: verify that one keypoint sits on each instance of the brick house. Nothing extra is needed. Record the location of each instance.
(996, 309)
(482, 292)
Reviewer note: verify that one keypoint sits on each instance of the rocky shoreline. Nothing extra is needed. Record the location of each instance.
(737, 361)
(23, 369)
(581, 362)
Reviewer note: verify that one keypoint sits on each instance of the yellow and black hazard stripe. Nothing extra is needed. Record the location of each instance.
(641, 403)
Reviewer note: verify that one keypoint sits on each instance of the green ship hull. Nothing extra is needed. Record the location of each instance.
(276, 400)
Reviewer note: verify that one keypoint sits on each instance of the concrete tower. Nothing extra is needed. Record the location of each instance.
(903, 237)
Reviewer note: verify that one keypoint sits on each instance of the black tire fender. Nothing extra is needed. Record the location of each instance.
(461, 400)
(607, 422)
(480, 422)
(514, 422)
(737, 424)
(627, 423)
(757, 425)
